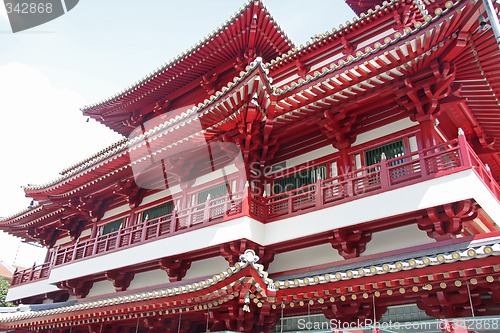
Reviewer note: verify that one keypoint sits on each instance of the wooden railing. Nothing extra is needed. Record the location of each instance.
(437, 161)
(412, 168)
(34, 273)
(215, 209)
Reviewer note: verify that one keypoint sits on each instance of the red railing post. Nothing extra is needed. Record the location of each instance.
(349, 185)
(318, 199)
(118, 238)
(15, 277)
(32, 272)
(75, 248)
(247, 196)
(94, 248)
(384, 172)
(158, 228)
(463, 147)
(206, 209)
(173, 222)
(265, 203)
(144, 230)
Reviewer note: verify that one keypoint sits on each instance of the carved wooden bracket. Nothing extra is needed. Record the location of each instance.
(89, 207)
(134, 119)
(338, 129)
(47, 235)
(348, 46)
(449, 303)
(446, 221)
(208, 82)
(405, 19)
(232, 251)
(77, 288)
(74, 225)
(302, 68)
(161, 106)
(238, 320)
(350, 243)
(249, 139)
(121, 280)
(353, 312)
(176, 268)
(425, 99)
(130, 191)
(244, 59)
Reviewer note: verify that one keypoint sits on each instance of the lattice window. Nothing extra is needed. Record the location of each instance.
(217, 191)
(157, 211)
(111, 227)
(299, 179)
(391, 150)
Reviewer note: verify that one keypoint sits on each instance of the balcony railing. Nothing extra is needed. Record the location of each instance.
(36, 272)
(440, 160)
(221, 208)
(437, 161)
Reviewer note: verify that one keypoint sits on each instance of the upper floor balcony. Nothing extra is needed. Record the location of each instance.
(389, 174)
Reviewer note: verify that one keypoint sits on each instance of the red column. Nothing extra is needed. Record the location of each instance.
(427, 131)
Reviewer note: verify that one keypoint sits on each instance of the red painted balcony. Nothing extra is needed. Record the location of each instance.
(437, 161)
(36, 272)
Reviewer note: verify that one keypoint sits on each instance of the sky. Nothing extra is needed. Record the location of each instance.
(97, 49)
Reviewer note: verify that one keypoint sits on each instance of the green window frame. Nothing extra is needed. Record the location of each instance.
(215, 192)
(299, 179)
(157, 211)
(391, 150)
(111, 227)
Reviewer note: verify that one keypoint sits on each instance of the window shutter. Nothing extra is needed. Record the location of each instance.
(299, 179)
(111, 227)
(215, 192)
(157, 211)
(391, 150)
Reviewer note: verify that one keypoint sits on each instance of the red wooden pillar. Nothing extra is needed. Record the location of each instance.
(344, 164)
(427, 132)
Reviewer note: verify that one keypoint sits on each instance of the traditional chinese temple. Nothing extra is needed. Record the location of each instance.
(261, 185)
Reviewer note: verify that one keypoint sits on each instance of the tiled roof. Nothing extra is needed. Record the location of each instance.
(474, 252)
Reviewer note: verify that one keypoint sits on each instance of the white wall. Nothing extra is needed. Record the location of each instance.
(383, 131)
(206, 267)
(308, 257)
(102, 288)
(148, 279)
(395, 239)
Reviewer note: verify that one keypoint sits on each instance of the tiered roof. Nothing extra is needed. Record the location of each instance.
(252, 30)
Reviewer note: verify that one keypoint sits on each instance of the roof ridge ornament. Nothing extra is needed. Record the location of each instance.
(249, 257)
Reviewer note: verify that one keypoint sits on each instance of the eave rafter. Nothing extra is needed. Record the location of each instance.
(335, 88)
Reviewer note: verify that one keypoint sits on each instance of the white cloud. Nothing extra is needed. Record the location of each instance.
(41, 132)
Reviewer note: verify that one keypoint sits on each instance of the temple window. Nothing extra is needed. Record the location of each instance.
(111, 227)
(391, 150)
(156, 212)
(214, 192)
(299, 179)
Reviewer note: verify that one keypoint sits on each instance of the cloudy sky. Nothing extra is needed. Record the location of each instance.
(97, 49)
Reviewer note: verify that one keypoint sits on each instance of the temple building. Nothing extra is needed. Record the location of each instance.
(266, 187)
